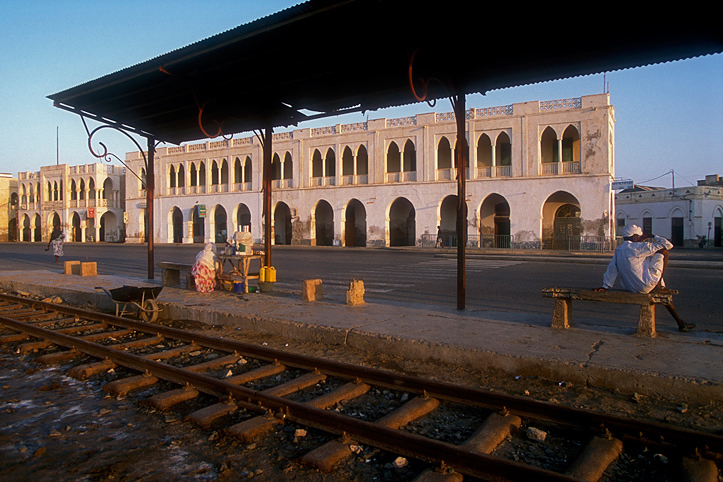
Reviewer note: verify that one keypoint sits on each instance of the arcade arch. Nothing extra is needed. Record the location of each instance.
(355, 224)
(401, 223)
(561, 221)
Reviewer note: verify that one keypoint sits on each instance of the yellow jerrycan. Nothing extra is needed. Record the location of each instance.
(267, 274)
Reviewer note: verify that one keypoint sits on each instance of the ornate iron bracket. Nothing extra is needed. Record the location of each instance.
(108, 156)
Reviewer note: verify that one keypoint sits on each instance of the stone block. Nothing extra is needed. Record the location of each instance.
(311, 290)
(355, 293)
(72, 267)
(89, 269)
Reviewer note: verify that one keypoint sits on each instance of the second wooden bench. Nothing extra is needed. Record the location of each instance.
(562, 317)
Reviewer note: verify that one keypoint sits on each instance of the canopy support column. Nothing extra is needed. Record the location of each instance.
(458, 103)
(150, 186)
(266, 137)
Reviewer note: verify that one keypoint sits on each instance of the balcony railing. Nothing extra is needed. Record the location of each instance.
(555, 168)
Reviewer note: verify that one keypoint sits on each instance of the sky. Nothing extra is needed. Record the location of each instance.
(669, 117)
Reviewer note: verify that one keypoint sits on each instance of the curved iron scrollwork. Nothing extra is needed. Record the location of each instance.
(106, 155)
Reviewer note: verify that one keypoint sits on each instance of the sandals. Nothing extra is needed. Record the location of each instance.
(687, 327)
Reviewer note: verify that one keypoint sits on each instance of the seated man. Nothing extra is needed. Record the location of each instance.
(640, 265)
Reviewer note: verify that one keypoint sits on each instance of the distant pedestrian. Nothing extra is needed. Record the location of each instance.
(204, 269)
(640, 263)
(56, 242)
(439, 243)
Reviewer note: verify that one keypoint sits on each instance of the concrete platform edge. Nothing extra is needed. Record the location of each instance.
(692, 389)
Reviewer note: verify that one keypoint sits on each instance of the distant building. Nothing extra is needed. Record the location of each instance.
(8, 207)
(539, 177)
(87, 202)
(683, 214)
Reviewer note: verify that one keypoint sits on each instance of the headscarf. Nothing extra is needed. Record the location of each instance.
(55, 234)
(629, 231)
(207, 257)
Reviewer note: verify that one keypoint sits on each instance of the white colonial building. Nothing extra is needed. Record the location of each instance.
(682, 214)
(86, 202)
(539, 177)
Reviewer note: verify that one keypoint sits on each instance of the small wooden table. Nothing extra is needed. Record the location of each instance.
(239, 268)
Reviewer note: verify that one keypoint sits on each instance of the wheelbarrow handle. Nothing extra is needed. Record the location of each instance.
(105, 290)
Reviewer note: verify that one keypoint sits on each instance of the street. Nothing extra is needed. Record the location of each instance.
(421, 278)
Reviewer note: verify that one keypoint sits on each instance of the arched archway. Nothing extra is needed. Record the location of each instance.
(54, 223)
(176, 225)
(401, 223)
(220, 228)
(677, 227)
(323, 224)
(494, 222)
(199, 228)
(109, 231)
(38, 229)
(571, 145)
(548, 146)
(448, 221)
(27, 232)
(282, 224)
(76, 234)
(561, 222)
(355, 224)
(243, 217)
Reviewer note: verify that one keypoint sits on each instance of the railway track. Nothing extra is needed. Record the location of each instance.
(257, 390)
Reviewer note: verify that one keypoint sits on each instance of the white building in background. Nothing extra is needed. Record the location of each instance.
(682, 214)
(87, 202)
(539, 177)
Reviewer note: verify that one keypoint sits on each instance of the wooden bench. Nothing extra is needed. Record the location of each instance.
(562, 317)
(172, 274)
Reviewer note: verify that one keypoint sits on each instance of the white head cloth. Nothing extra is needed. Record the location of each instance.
(631, 230)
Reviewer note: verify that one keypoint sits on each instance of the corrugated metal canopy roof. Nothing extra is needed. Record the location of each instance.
(333, 55)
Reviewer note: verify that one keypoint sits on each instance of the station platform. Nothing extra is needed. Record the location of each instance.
(679, 366)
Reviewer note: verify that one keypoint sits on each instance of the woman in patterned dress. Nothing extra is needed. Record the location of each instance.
(56, 242)
(204, 269)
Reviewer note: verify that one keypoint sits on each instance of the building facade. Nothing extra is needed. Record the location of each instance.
(682, 214)
(539, 176)
(87, 202)
(8, 207)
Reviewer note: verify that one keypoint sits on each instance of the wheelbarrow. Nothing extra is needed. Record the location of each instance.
(140, 300)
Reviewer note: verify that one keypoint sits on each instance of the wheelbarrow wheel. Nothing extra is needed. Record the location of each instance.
(149, 311)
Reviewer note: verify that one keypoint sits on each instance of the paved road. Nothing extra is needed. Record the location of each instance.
(422, 278)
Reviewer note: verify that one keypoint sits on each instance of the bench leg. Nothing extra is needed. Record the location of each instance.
(171, 277)
(646, 323)
(562, 317)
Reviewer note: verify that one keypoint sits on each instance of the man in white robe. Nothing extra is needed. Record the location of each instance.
(639, 264)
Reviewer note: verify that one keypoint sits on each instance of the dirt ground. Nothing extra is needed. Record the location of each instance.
(55, 428)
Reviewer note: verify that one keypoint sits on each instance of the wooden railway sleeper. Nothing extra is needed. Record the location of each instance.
(489, 436)
(58, 357)
(249, 429)
(82, 372)
(163, 401)
(205, 416)
(125, 385)
(139, 343)
(325, 457)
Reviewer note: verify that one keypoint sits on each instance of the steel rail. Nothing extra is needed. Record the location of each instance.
(463, 461)
(649, 432)
(410, 445)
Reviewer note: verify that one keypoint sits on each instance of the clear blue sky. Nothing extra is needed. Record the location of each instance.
(669, 117)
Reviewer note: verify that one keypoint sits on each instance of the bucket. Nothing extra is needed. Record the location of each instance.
(238, 287)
